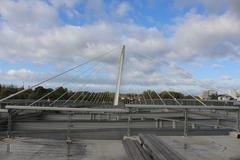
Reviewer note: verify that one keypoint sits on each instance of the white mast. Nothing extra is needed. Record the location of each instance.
(120, 71)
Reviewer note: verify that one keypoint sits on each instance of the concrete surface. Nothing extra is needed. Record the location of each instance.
(45, 149)
(205, 147)
(191, 147)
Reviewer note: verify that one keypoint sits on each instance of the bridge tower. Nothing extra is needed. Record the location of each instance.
(120, 72)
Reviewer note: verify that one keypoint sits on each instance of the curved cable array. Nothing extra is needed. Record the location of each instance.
(56, 76)
(174, 98)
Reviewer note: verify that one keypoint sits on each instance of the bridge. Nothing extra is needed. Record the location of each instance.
(112, 115)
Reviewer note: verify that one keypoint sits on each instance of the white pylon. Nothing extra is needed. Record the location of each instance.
(120, 71)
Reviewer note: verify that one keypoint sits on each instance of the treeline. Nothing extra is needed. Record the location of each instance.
(149, 94)
(64, 93)
(52, 94)
(36, 93)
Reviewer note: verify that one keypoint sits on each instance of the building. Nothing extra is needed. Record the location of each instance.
(224, 97)
(209, 94)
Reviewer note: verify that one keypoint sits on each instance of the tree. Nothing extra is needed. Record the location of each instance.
(59, 92)
(149, 94)
(167, 95)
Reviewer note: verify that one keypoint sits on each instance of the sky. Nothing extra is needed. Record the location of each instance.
(181, 45)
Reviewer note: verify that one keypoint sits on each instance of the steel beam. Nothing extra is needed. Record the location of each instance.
(90, 110)
(149, 106)
(3, 111)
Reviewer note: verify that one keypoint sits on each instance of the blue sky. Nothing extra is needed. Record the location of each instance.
(41, 38)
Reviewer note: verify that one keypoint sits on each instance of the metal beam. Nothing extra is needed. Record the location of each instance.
(93, 110)
(120, 71)
(3, 111)
(143, 106)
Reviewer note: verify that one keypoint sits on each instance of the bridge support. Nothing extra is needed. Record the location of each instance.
(120, 71)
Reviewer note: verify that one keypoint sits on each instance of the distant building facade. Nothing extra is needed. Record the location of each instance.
(209, 95)
(224, 97)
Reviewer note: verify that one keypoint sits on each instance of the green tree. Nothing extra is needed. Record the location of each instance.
(167, 95)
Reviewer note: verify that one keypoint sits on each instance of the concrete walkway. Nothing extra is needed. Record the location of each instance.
(44, 149)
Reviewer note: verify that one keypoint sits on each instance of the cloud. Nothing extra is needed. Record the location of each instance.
(96, 6)
(213, 6)
(28, 15)
(206, 37)
(73, 43)
(217, 66)
(122, 9)
(195, 36)
(226, 78)
(31, 31)
(66, 3)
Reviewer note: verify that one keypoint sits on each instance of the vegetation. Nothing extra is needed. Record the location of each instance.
(64, 93)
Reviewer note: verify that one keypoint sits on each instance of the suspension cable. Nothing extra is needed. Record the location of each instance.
(149, 58)
(150, 97)
(160, 98)
(58, 75)
(87, 86)
(56, 89)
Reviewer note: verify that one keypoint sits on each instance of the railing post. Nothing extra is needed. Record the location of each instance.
(128, 129)
(9, 131)
(185, 132)
(161, 124)
(118, 117)
(238, 120)
(68, 140)
(193, 126)
(174, 124)
(157, 123)
(109, 117)
(218, 124)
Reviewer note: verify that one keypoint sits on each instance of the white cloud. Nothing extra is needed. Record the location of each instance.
(95, 6)
(213, 6)
(226, 78)
(34, 34)
(122, 9)
(67, 3)
(195, 37)
(206, 37)
(217, 66)
(28, 15)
